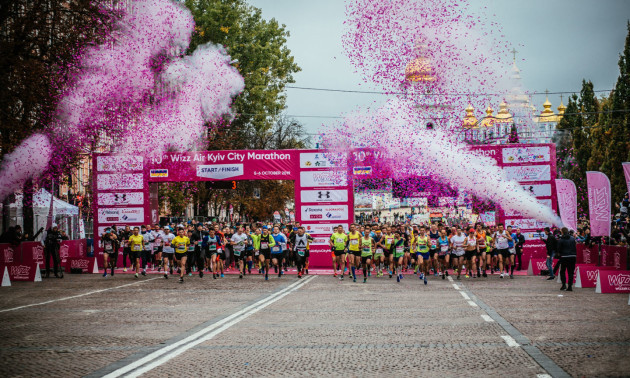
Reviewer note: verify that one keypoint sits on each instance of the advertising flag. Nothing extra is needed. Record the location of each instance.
(598, 203)
(567, 203)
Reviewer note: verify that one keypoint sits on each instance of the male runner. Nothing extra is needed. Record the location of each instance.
(338, 242)
(109, 242)
(277, 251)
(421, 246)
(181, 244)
(267, 242)
(135, 245)
(300, 243)
(167, 251)
(457, 244)
(502, 238)
(354, 250)
(239, 242)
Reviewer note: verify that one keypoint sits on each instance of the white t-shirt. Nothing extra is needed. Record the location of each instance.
(167, 239)
(501, 240)
(240, 241)
(458, 242)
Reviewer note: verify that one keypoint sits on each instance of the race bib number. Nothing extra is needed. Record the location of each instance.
(390, 241)
(444, 248)
(264, 245)
(340, 241)
(366, 250)
(237, 252)
(276, 249)
(212, 247)
(400, 249)
(191, 248)
(108, 247)
(300, 252)
(379, 250)
(354, 242)
(181, 247)
(136, 247)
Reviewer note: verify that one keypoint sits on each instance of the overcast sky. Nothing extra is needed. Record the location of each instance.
(560, 42)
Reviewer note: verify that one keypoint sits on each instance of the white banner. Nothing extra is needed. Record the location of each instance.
(543, 190)
(220, 171)
(331, 212)
(121, 198)
(320, 240)
(311, 179)
(514, 213)
(125, 214)
(528, 173)
(119, 181)
(324, 228)
(526, 155)
(417, 201)
(526, 224)
(119, 163)
(324, 195)
(321, 160)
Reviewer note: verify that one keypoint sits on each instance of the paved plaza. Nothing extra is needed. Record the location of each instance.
(317, 326)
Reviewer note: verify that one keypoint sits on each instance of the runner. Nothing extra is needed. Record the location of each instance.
(379, 251)
(423, 257)
(167, 251)
(512, 249)
(457, 245)
(147, 247)
(471, 250)
(367, 249)
(157, 246)
(277, 251)
(239, 242)
(110, 244)
(399, 253)
(389, 250)
(503, 248)
(354, 250)
(434, 249)
(124, 237)
(300, 243)
(480, 234)
(267, 242)
(338, 242)
(443, 254)
(181, 244)
(135, 245)
(214, 242)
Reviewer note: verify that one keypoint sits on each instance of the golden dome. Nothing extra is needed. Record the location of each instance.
(503, 116)
(419, 70)
(561, 109)
(469, 119)
(547, 112)
(488, 120)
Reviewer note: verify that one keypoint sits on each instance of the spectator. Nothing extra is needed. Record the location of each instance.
(550, 244)
(567, 250)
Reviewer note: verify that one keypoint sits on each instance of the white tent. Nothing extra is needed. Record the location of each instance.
(64, 214)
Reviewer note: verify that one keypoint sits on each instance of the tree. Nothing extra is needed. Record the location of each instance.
(563, 139)
(39, 43)
(513, 137)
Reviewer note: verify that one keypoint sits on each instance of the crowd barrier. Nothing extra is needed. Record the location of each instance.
(21, 261)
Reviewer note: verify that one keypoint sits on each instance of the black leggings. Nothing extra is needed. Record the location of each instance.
(567, 263)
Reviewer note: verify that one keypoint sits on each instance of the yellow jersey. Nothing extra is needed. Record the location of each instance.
(180, 243)
(135, 242)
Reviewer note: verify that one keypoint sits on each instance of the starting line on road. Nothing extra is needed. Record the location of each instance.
(76, 296)
(163, 355)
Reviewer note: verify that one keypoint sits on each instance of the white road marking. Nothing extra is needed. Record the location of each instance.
(487, 318)
(473, 304)
(77, 296)
(450, 278)
(466, 297)
(543, 376)
(510, 341)
(456, 287)
(163, 355)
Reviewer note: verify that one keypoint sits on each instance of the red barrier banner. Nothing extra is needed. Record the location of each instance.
(586, 275)
(86, 264)
(533, 250)
(23, 272)
(72, 248)
(614, 256)
(587, 255)
(32, 252)
(613, 281)
(8, 254)
(535, 266)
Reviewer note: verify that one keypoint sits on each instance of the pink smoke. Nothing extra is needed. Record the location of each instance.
(29, 160)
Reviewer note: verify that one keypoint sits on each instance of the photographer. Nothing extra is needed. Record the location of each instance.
(52, 242)
(550, 244)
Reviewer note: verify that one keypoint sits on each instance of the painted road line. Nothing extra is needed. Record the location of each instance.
(162, 355)
(509, 340)
(466, 297)
(450, 278)
(456, 287)
(486, 318)
(543, 376)
(472, 304)
(77, 296)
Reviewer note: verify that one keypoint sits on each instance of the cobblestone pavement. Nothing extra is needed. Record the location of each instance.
(323, 327)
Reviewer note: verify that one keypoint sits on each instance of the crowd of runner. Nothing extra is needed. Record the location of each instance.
(198, 248)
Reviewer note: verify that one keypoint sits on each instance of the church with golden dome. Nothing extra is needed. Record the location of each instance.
(490, 128)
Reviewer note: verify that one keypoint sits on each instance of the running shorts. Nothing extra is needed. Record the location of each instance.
(425, 256)
(339, 252)
(468, 255)
(178, 256)
(512, 251)
(364, 259)
(504, 252)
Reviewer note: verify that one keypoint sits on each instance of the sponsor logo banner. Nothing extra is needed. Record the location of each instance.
(86, 264)
(514, 213)
(158, 173)
(121, 198)
(324, 228)
(598, 203)
(542, 190)
(119, 163)
(220, 171)
(125, 214)
(526, 155)
(586, 275)
(320, 241)
(332, 212)
(535, 266)
(528, 173)
(324, 195)
(119, 181)
(322, 178)
(321, 160)
(361, 171)
(23, 272)
(526, 224)
(613, 281)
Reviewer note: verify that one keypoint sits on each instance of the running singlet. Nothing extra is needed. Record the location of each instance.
(301, 244)
(421, 242)
(280, 242)
(168, 239)
(471, 242)
(458, 242)
(488, 242)
(240, 242)
(181, 244)
(399, 248)
(389, 240)
(266, 242)
(353, 244)
(366, 247)
(434, 240)
(481, 241)
(443, 245)
(135, 242)
(501, 238)
(213, 243)
(339, 241)
(378, 250)
(108, 245)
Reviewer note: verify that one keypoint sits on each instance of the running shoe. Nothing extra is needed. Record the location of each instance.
(144, 272)
(401, 276)
(166, 276)
(485, 274)
(364, 279)
(222, 276)
(190, 274)
(341, 278)
(443, 276)
(214, 276)
(181, 279)
(511, 276)
(501, 275)
(467, 276)
(420, 276)
(280, 274)
(354, 279)
(136, 275)
(299, 275)
(390, 275)
(425, 280)
(105, 274)
(201, 274)
(124, 269)
(345, 270)
(240, 276)
(266, 277)
(335, 275)
(159, 268)
(446, 272)
(397, 278)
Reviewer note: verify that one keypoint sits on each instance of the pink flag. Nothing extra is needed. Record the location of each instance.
(626, 171)
(567, 203)
(598, 203)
